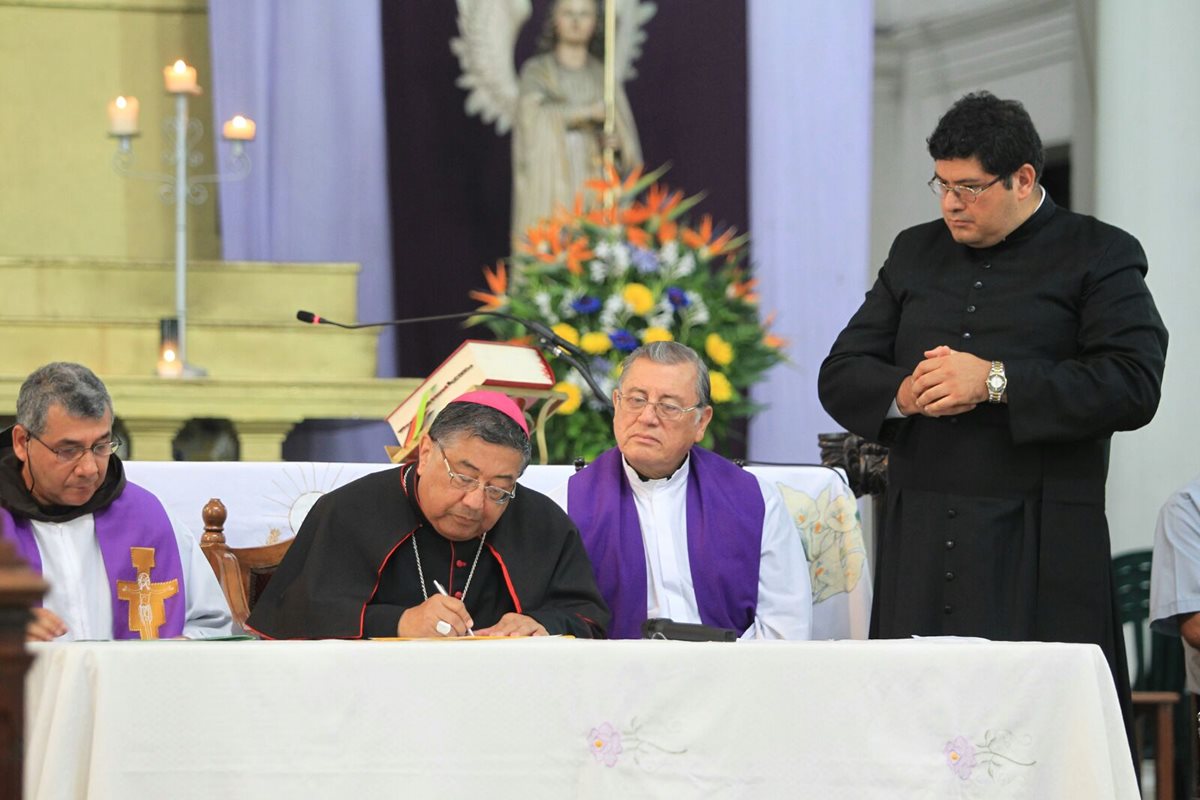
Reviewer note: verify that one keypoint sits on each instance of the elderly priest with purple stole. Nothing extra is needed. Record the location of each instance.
(676, 531)
(119, 567)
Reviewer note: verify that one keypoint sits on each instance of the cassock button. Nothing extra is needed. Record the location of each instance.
(978, 284)
(970, 309)
(949, 576)
(458, 595)
(948, 609)
(967, 335)
(987, 266)
(949, 544)
(460, 563)
(951, 513)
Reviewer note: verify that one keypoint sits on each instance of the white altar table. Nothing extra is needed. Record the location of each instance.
(562, 718)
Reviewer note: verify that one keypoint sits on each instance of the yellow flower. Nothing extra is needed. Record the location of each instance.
(574, 397)
(595, 343)
(722, 389)
(653, 334)
(638, 297)
(719, 350)
(567, 332)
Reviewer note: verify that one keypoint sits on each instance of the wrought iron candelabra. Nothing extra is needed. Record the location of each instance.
(183, 135)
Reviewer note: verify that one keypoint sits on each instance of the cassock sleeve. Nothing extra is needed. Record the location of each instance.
(572, 603)
(321, 589)
(1114, 381)
(859, 378)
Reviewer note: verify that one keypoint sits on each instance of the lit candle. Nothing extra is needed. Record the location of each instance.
(239, 129)
(180, 78)
(123, 116)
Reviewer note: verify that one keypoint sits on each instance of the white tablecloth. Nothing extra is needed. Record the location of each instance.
(561, 718)
(267, 501)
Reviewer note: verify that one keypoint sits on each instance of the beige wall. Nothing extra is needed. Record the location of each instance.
(61, 61)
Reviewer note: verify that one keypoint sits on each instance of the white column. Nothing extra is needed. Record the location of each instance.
(810, 160)
(1148, 182)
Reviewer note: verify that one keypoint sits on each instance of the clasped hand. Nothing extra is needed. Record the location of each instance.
(946, 383)
(422, 621)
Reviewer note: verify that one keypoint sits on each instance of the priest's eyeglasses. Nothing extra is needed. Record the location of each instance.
(72, 453)
(465, 483)
(669, 412)
(968, 194)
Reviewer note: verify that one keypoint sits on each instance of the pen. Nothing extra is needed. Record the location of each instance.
(442, 591)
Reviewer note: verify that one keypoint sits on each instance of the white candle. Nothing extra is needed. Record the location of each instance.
(123, 116)
(239, 129)
(180, 78)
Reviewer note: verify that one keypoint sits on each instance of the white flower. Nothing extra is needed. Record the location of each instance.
(686, 265)
(597, 270)
(695, 312)
(542, 301)
(669, 252)
(614, 304)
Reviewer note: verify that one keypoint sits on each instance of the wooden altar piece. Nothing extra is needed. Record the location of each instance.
(20, 589)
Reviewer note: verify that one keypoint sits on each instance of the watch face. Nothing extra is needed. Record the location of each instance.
(995, 383)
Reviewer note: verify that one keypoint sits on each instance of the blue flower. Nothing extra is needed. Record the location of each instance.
(586, 305)
(623, 340)
(678, 297)
(645, 261)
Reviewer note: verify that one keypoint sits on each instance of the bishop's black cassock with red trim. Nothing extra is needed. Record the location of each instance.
(352, 570)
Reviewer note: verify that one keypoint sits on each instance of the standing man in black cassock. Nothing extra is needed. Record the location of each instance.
(996, 354)
(373, 557)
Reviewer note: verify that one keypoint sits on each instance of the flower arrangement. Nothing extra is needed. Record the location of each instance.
(611, 279)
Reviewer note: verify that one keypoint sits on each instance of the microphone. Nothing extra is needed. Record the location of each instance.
(568, 352)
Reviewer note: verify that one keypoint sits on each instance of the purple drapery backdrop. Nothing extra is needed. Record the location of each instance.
(810, 178)
(309, 73)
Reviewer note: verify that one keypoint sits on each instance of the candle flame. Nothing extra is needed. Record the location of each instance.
(180, 67)
(168, 355)
(121, 102)
(239, 121)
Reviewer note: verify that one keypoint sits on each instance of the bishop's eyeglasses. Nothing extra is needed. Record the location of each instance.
(73, 452)
(968, 194)
(465, 483)
(669, 412)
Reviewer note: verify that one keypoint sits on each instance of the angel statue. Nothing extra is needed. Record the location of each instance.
(556, 109)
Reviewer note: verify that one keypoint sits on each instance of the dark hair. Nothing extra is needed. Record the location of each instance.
(672, 353)
(549, 37)
(72, 386)
(997, 132)
(472, 419)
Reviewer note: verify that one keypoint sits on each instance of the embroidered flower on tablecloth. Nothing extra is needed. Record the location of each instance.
(608, 744)
(960, 757)
(994, 755)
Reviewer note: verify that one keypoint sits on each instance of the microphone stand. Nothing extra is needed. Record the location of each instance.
(545, 336)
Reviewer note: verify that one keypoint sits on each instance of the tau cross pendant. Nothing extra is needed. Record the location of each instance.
(145, 598)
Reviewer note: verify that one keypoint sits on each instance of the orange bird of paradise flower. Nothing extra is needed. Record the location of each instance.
(497, 281)
(703, 237)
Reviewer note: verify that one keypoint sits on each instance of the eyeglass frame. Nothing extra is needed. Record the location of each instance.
(657, 405)
(940, 189)
(113, 445)
(505, 498)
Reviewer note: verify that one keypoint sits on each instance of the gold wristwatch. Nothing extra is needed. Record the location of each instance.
(996, 382)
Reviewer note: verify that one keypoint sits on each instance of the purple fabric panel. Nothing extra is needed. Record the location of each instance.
(725, 516)
(309, 73)
(725, 513)
(138, 519)
(811, 82)
(613, 538)
(21, 532)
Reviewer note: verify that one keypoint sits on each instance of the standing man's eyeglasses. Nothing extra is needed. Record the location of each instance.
(968, 194)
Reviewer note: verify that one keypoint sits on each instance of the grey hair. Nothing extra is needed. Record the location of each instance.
(72, 386)
(672, 353)
(472, 419)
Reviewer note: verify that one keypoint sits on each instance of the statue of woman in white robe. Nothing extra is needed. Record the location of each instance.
(558, 135)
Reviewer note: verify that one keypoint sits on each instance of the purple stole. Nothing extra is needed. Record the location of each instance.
(725, 512)
(135, 519)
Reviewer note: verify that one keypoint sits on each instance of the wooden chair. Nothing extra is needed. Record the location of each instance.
(243, 572)
(1131, 573)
